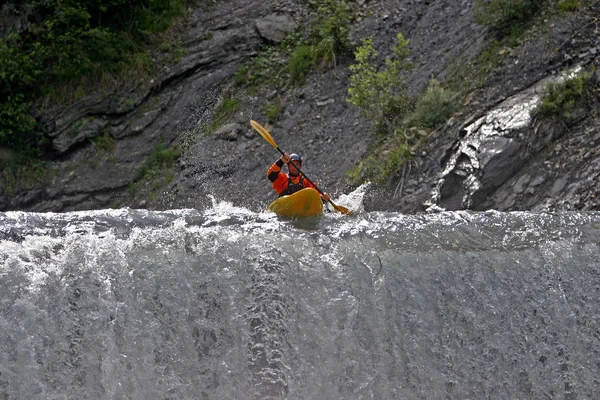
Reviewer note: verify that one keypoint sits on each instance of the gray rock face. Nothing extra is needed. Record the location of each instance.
(493, 150)
(77, 132)
(490, 155)
(136, 117)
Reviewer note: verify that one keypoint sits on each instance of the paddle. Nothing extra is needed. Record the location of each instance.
(267, 136)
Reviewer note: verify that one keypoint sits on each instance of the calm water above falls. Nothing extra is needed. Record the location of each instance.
(230, 304)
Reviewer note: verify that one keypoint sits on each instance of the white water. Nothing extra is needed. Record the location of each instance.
(230, 304)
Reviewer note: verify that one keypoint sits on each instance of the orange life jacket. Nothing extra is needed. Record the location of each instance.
(284, 184)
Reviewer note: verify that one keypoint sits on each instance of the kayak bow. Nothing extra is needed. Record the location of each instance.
(304, 203)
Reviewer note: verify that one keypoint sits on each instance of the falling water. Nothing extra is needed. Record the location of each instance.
(230, 304)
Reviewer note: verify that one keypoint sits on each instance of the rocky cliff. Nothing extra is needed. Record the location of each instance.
(492, 154)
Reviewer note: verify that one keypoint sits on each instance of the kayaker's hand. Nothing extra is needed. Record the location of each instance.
(325, 197)
(285, 158)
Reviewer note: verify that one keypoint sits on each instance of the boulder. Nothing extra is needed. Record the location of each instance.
(499, 158)
(228, 132)
(274, 27)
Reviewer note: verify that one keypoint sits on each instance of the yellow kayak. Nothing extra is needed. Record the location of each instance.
(304, 203)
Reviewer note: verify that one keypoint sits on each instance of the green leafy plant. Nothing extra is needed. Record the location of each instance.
(161, 159)
(224, 111)
(20, 73)
(155, 173)
(274, 110)
(507, 17)
(380, 92)
(568, 5)
(330, 36)
(270, 65)
(69, 44)
(434, 107)
(105, 142)
(301, 52)
(301, 62)
(17, 173)
(466, 75)
(390, 156)
(560, 100)
(327, 40)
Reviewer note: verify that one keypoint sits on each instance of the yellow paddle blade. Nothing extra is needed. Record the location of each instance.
(341, 209)
(263, 132)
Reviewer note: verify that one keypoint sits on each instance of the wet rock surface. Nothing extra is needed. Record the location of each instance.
(524, 165)
(496, 156)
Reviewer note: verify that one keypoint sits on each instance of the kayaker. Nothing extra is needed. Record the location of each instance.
(293, 181)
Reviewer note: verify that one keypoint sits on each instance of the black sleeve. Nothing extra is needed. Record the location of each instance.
(273, 175)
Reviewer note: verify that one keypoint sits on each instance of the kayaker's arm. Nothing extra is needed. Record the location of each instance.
(278, 178)
(274, 170)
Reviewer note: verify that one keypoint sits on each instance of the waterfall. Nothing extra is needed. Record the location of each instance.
(226, 303)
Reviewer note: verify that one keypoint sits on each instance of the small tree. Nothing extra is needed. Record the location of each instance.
(381, 93)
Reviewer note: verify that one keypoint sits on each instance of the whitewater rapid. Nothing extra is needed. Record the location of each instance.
(226, 303)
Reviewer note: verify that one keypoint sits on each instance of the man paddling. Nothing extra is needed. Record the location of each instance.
(293, 181)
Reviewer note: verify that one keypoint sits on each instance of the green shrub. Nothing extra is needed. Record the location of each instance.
(273, 111)
(380, 93)
(568, 5)
(300, 53)
(65, 44)
(19, 130)
(155, 172)
(330, 35)
(161, 159)
(20, 73)
(434, 107)
(17, 173)
(560, 100)
(327, 40)
(270, 65)
(389, 157)
(228, 107)
(466, 75)
(105, 142)
(507, 17)
(301, 62)
(222, 113)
